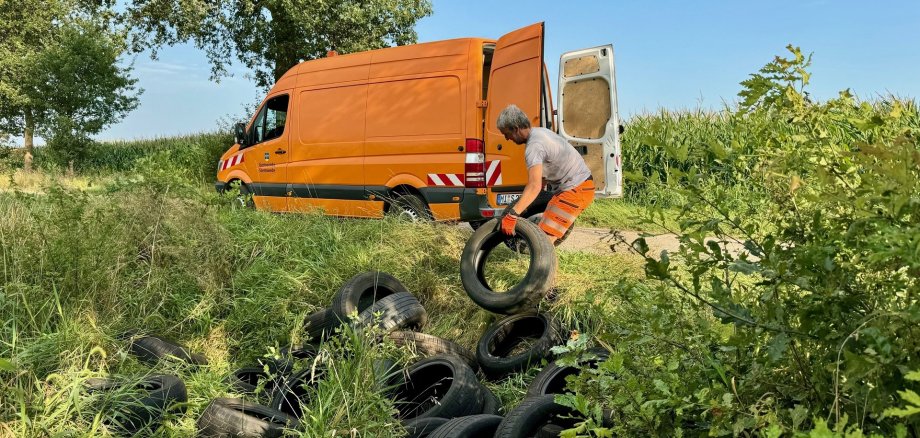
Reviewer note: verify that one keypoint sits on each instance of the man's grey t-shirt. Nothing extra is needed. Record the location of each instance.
(563, 166)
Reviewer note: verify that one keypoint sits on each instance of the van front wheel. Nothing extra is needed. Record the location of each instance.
(243, 198)
(407, 206)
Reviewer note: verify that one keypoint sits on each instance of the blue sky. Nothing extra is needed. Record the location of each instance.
(669, 54)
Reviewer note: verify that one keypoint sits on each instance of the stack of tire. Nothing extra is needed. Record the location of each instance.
(375, 297)
(137, 405)
(429, 393)
(442, 385)
(499, 351)
(438, 396)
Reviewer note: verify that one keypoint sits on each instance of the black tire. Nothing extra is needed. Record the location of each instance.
(499, 349)
(231, 417)
(410, 207)
(293, 392)
(283, 365)
(398, 311)
(363, 290)
(524, 295)
(322, 324)
(532, 415)
(246, 380)
(429, 345)
(136, 405)
(490, 403)
(551, 379)
(473, 426)
(439, 386)
(549, 431)
(422, 427)
(152, 349)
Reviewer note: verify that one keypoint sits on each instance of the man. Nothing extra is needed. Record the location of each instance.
(552, 159)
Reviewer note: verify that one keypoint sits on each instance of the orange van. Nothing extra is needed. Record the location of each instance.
(411, 129)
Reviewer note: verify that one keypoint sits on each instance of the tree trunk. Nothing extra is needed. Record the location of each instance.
(283, 63)
(27, 140)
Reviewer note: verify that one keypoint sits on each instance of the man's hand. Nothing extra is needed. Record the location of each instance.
(508, 222)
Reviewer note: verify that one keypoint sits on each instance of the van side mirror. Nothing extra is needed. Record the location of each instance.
(621, 129)
(239, 132)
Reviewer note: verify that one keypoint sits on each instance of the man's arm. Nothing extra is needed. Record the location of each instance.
(532, 189)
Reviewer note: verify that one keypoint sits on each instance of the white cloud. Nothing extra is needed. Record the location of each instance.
(165, 68)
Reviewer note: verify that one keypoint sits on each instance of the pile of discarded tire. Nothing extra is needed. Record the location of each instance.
(130, 405)
(499, 350)
(439, 395)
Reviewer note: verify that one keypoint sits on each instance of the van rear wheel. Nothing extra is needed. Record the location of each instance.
(409, 207)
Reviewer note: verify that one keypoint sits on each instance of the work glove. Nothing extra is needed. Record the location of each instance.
(509, 220)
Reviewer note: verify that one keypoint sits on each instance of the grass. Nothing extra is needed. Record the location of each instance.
(625, 214)
(84, 259)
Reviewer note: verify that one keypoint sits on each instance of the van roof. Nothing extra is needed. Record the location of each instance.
(433, 49)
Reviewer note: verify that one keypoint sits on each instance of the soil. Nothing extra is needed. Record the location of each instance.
(606, 241)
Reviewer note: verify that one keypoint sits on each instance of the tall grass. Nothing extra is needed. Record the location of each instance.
(148, 250)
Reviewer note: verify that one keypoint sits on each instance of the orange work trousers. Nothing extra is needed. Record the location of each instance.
(564, 207)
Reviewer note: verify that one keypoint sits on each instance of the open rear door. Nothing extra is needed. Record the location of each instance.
(588, 115)
(516, 77)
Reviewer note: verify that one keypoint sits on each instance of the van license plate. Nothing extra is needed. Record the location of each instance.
(507, 198)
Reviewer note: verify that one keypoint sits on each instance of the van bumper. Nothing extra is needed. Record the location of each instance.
(475, 207)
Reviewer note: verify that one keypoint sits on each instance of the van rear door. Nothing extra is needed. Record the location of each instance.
(516, 77)
(587, 114)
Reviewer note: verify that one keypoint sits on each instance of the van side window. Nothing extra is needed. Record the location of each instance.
(270, 122)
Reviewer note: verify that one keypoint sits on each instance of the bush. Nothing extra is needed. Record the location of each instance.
(813, 319)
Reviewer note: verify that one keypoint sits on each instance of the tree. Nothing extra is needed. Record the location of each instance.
(22, 36)
(271, 36)
(59, 75)
(83, 88)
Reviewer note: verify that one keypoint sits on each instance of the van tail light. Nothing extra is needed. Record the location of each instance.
(475, 163)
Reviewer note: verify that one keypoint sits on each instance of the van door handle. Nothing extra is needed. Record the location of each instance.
(280, 151)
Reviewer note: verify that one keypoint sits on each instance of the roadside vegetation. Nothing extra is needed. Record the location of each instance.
(812, 329)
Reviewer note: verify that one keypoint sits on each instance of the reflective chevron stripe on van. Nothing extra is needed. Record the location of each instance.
(230, 162)
(494, 173)
(445, 179)
(493, 176)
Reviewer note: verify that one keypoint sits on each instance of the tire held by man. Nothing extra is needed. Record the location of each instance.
(530, 290)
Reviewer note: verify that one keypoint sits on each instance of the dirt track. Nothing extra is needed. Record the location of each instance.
(605, 241)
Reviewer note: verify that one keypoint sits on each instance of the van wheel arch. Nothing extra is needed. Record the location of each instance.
(409, 199)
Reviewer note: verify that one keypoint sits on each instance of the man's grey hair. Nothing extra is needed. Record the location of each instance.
(512, 118)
